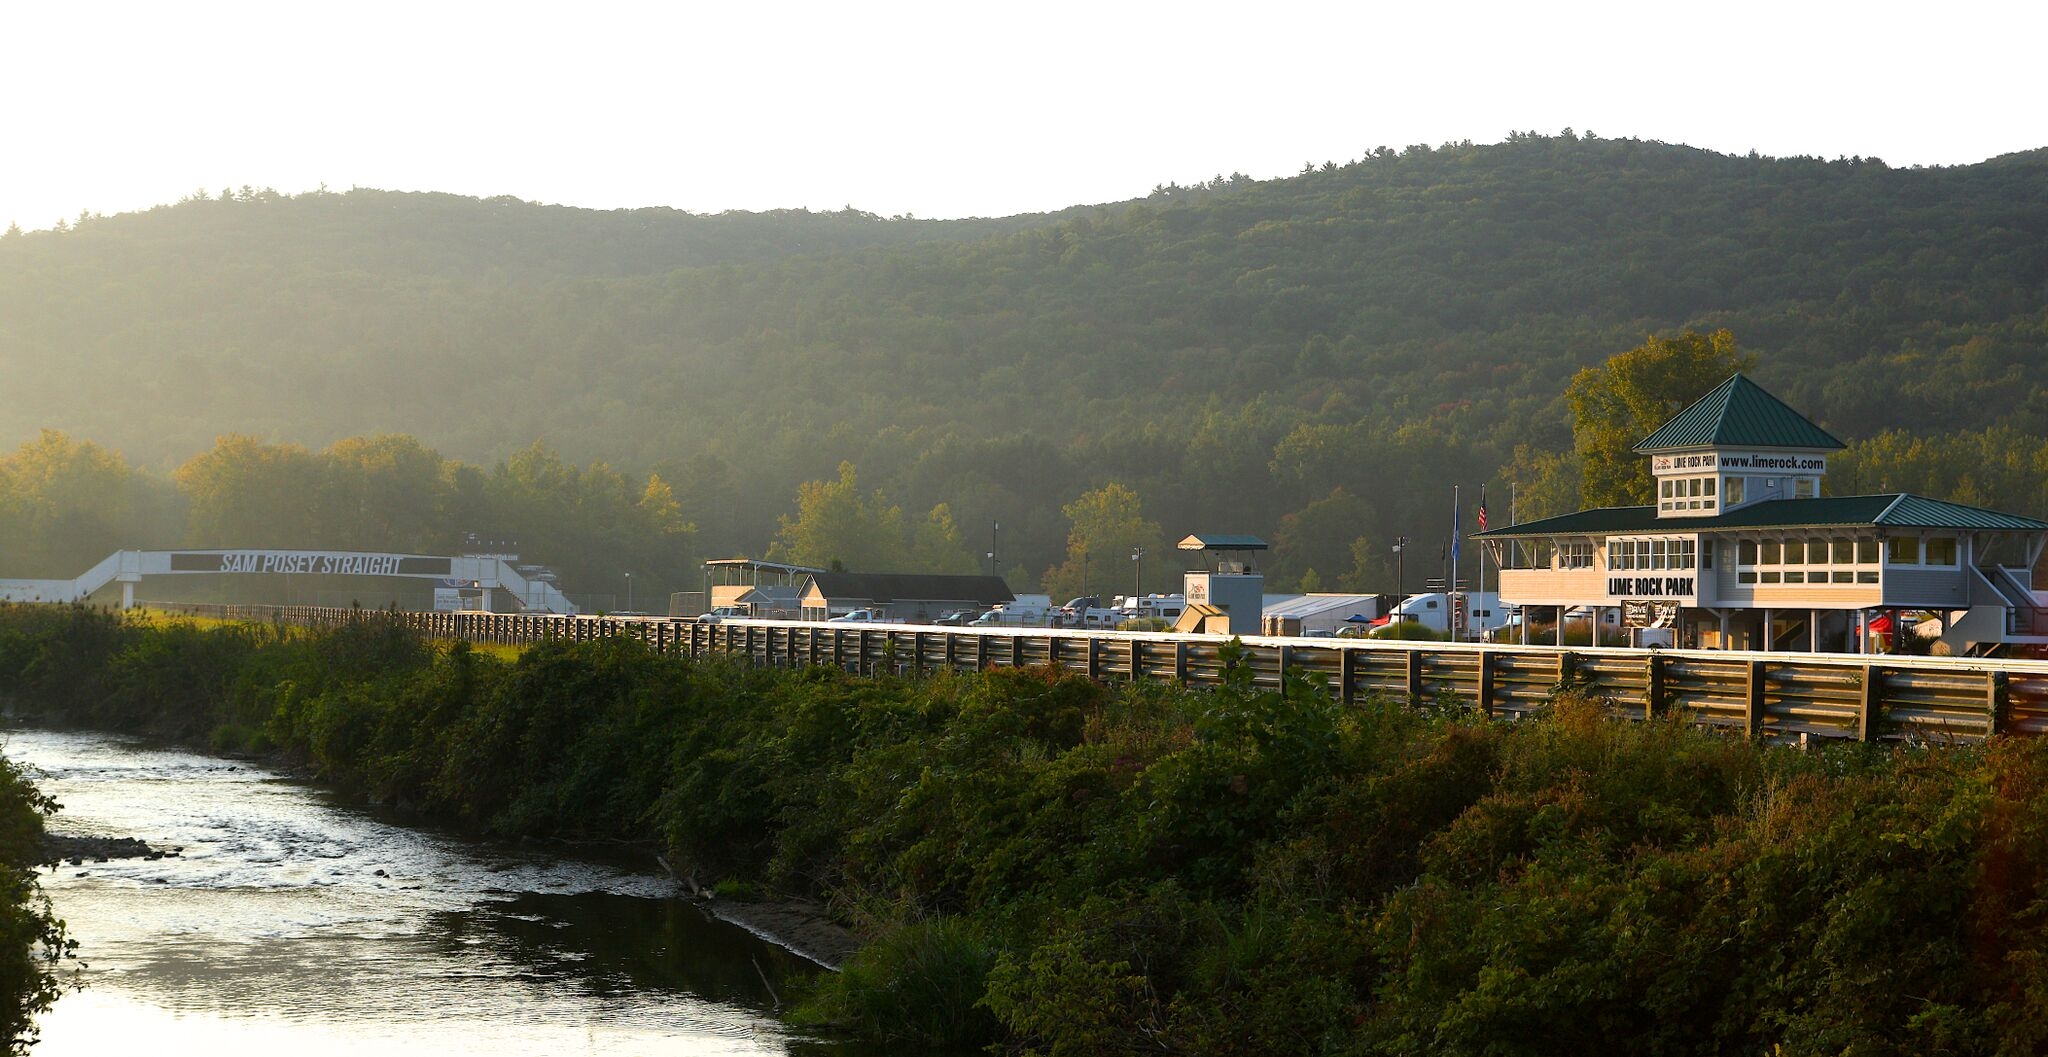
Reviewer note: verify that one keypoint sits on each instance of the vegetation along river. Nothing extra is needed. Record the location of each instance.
(293, 924)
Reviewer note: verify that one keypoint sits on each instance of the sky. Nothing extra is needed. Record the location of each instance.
(951, 109)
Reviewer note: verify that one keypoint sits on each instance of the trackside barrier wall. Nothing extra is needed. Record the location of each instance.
(1768, 696)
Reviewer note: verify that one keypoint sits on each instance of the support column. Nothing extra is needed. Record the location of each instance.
(487, 599)
(1813, 631)
(128, 595)
(1724, 629)
(1770, 618)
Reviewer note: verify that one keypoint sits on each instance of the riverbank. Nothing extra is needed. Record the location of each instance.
(1051, 865)
(35, 948)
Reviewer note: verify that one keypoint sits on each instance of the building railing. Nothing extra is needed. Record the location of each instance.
(1768, 696)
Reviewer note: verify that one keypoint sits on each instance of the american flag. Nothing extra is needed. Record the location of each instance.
(1482, 508)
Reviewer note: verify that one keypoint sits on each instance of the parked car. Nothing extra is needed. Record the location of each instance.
(858, 616)
(721, 613)
(954, 618)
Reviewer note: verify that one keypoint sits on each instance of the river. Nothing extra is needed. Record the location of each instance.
(294, 925)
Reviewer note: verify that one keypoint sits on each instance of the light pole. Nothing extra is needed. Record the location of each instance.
(1136, 591)
(994, 566)
(1400, 585)
(629, 592)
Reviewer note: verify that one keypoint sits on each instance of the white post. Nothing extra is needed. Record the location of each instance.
(128, 595)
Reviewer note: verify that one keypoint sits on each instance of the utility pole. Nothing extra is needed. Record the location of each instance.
(1136, 591)
(994, 565)
(629, 592)
(1400, 583)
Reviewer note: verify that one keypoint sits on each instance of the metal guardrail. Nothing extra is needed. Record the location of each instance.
(1766, 696)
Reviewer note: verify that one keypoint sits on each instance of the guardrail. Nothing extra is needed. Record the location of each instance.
(1767, 696)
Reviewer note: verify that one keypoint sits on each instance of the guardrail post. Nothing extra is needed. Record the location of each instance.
(1870, 704)
(951, 652)
(1997, 701)
(1347, 675)
(1286, 657)
(1016, 651)
(1180, 662)
(1486, 683)
(1094, 659)
(1415, 677)
(1753, 700)
(1137, 660)
(981, 652)
(1653, 685)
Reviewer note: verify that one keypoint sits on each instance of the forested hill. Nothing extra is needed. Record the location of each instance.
(1236, 352)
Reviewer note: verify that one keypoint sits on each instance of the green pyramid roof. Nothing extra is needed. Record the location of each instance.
(1739, 414)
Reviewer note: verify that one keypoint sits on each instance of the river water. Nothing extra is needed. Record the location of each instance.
(297, 926)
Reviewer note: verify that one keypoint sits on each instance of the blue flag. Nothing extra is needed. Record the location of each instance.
(1456, 533)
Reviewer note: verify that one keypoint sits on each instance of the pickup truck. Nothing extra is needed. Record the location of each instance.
(858, 616)
(721, 613)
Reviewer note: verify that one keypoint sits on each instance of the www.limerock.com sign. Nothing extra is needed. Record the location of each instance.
(329, 563)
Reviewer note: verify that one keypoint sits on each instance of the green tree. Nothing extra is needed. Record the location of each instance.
(1617, 404)
(245, 493)
(936, 546)
(1320, 534)
(65, 504)
(1109, 524)
(835, 523)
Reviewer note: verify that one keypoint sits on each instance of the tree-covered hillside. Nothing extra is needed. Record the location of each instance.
(1317, 358)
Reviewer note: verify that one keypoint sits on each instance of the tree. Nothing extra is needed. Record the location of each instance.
(835, 523)
(1617, 404)
(245, 493)
(936, 546)
(1109, 524)
(1318, 535)
(65, 504)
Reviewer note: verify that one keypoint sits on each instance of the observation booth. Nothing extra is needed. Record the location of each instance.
(1741, 551)
(761, 589)
(1227, 595)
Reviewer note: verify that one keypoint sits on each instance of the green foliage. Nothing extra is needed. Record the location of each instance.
(917, 985)
(1620, 402)
(33, 942)
(1389, 326)
(836, 527)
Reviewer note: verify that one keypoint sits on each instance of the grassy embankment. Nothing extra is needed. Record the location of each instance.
(1064, 868)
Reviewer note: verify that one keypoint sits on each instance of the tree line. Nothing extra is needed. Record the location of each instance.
(1314, 359)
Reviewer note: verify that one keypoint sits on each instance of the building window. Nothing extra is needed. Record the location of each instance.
(1805, 487)
(1941, 550)
(1732, 489)
(1902, 550)
(1576, 555)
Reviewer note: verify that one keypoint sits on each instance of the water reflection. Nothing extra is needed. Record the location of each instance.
(292, 921)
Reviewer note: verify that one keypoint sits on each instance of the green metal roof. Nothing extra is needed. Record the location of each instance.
(1739, 414)
(1214, 541)
(1899, 510)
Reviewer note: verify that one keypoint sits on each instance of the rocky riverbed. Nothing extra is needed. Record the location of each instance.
(78, 850)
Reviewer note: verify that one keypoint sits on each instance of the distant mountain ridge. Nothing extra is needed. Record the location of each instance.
(1195, 343)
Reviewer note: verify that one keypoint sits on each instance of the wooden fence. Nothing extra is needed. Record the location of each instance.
(1768, 696)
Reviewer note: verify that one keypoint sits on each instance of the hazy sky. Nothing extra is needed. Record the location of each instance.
(952, 109)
